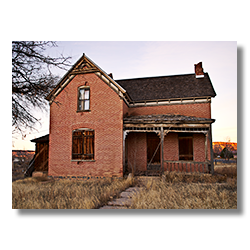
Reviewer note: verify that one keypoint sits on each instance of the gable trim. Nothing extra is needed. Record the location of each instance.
(175, 101)
(84, 66)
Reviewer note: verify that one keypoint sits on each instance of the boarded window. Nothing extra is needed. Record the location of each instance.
(186, 147)
(83, 145)
(84, 98)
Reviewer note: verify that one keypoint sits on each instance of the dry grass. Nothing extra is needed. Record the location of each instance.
(176, 191)
(191, 191)
(33, 193)
(186, 196)
(230, 170)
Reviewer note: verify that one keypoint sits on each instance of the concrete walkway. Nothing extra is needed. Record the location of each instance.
(124, 200)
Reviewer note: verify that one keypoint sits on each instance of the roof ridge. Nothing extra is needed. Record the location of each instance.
(148, 77)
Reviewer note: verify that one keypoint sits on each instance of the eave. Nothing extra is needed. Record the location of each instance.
(173, 101)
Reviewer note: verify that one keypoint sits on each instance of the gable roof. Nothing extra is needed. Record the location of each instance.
(83, 66)
(168, 87)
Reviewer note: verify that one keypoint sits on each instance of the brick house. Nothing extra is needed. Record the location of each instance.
(102, 127)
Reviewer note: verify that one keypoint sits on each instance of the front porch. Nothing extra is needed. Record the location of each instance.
(153, 144)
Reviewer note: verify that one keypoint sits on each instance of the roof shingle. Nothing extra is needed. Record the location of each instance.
(168, 87)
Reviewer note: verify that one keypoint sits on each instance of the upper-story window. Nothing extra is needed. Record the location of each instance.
(83, 98)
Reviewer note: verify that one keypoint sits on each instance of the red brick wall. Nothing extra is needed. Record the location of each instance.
(198, 109)
(171, 147)
(105, 118)
(199, 147)
(125, 109)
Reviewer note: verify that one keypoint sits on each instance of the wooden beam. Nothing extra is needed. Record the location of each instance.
(188, 131)
(83, 71)
(206, 146)
(173, 125)
(182, 161)
(162, 122)
(124, 149)
(162, 150)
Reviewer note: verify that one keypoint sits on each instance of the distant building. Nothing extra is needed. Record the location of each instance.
(21, 156)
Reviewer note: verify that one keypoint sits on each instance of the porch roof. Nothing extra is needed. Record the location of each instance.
(41, 139)
(166, 119)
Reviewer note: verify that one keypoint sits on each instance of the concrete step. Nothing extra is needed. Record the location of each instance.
(120, 202)
(125, 199)
(133, 189)
(126, 194)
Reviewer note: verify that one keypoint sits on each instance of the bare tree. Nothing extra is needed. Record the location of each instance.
(227, 150)
(32, 80)
(217, 148)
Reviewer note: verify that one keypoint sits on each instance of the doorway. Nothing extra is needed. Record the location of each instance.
(153, 152)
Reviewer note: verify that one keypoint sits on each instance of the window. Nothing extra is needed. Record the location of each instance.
(186, 147)
(83, 98)
(83, 144)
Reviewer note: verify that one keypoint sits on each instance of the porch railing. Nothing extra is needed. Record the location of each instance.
(187, 166)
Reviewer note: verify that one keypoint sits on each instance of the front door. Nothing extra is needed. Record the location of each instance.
(153, 152)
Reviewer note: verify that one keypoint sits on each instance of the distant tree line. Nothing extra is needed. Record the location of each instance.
(225, 151)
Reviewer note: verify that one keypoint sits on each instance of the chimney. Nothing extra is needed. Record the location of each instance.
(111, 75)
(198, 70)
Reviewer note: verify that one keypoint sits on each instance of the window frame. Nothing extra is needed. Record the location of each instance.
(187, 136)
(82, 100)
(91, 145)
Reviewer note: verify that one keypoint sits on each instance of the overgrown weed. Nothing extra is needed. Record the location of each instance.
(34, 193)
(190, 191)
(164, 195)
(229, 170)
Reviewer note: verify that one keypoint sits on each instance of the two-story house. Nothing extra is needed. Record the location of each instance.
(101, 127)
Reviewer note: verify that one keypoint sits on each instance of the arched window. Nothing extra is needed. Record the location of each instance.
(83, 144)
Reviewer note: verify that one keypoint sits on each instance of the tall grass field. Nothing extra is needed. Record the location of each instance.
(33, 193)
(173, 191)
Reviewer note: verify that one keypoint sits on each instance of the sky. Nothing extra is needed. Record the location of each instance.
(144, 59)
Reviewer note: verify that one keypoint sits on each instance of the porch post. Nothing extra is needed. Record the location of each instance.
(211, 149)
(206, 146)
(123, 150)
(162, 150)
